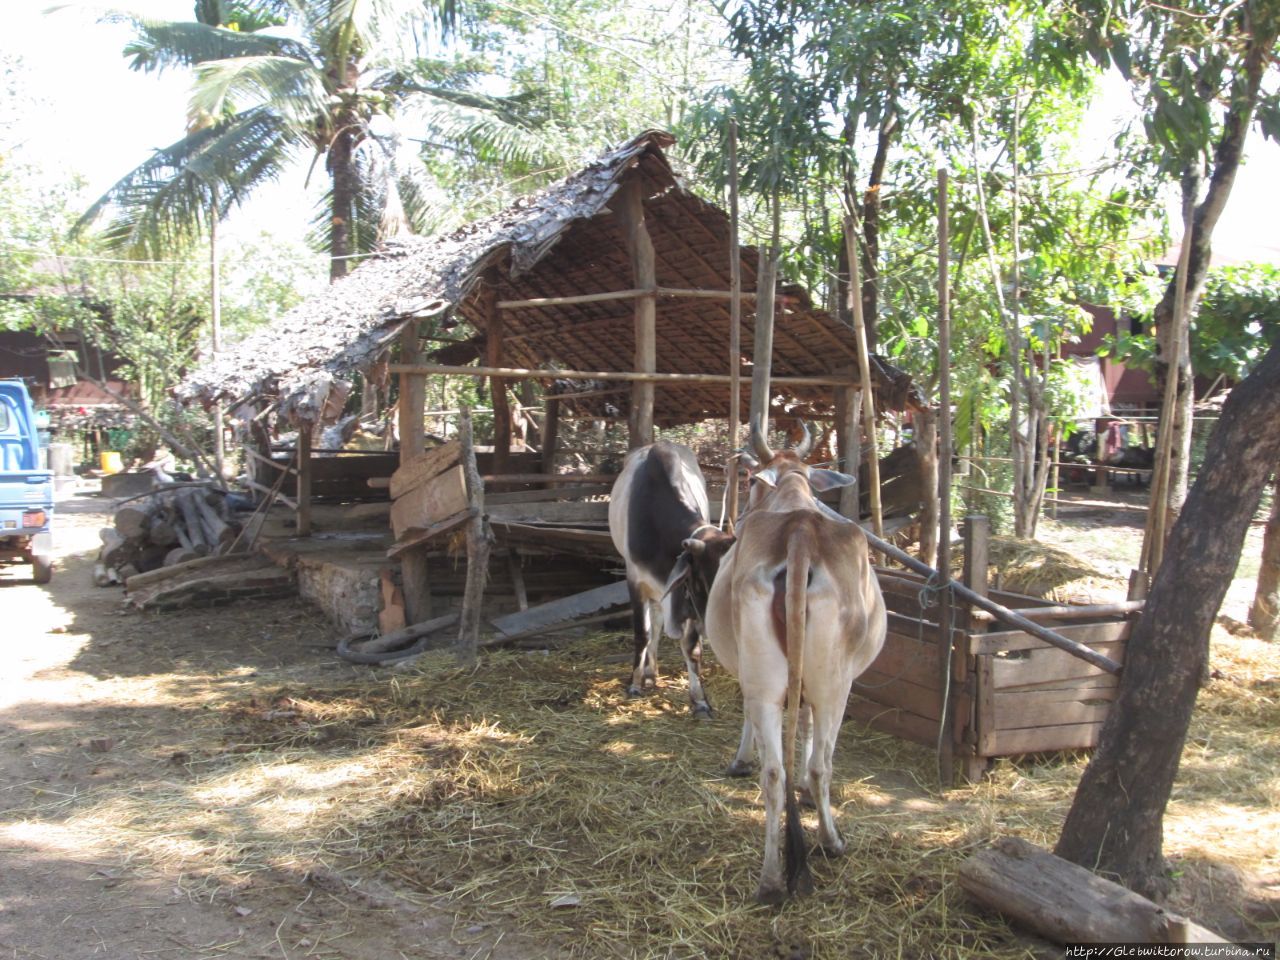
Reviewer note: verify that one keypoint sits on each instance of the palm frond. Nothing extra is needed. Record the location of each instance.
(159, 45)
(469, 120)
(168, 200)
(293, 88)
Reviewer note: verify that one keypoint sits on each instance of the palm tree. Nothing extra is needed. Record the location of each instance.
(274, 79)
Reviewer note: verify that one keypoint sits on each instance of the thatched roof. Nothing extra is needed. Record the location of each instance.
(560, 241)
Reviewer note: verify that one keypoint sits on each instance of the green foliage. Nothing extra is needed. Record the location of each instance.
(1238, 318)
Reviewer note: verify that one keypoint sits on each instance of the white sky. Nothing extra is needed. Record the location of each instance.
(103, 119)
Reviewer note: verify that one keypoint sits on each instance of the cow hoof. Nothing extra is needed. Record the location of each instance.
(634, 692)
(701, 711)
(737, 769)
(806, 799)
(833, 850)
(771, 896)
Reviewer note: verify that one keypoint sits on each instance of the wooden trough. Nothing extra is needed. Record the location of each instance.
(1009, 693)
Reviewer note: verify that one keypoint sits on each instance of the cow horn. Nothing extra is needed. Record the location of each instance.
(759, 444)
(803, 448)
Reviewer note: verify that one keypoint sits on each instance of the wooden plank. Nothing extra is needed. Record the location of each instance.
(418, 470)
(1042, 666)
(418, 537)
(431, 502)
(1068, 903)
(908, 658)
(568, 512)
(628, 205)
(1111, 631)
(304, 480)
(984, 706)
(541, 496)
(890, 691)
(893, 721)
(1069, 736)
(565, 610)
(1050, 707)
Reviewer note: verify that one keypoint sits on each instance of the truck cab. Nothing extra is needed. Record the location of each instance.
(26, 490)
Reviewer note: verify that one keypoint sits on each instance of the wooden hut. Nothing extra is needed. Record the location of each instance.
(611, 288)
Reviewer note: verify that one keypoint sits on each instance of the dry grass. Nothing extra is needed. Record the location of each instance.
(530, 794)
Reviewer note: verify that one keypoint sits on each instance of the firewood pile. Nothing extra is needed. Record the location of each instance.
(164, 529)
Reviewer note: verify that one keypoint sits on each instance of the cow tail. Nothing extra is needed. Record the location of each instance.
(799, 879)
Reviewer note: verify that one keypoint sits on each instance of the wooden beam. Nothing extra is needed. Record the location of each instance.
(479, 541)
(526, 373)
(304, 479)
(413, 399)
(494, 356)
(629, 208)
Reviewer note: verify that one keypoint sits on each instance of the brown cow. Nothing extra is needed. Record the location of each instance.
(796, 613)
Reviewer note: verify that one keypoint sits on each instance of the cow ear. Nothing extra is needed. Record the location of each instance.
(693, 547)
(679, 573)
(821, 480)
(768, 476)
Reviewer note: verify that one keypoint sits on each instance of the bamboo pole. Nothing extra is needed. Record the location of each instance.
(946, 742)
(215, 324)
(1002, 613)
(735, 337)
(605, 296)
(524, 373)
(762, 353)
(629, 207)
(864, 370)
(1158, 513)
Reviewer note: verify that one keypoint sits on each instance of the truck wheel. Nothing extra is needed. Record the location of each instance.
(41, 568)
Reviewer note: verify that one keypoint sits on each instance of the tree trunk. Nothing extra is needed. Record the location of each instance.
(1115, 825)
(346, 184)
(1264, 615)
(871, 224)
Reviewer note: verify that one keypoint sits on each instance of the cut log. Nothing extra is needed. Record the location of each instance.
(214, 529)
(180, 555)
(132, 522)
(116, 550)
(1067, 903)
(163, 533)
(186, 503)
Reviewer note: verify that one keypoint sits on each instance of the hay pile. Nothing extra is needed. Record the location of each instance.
(530, 795)
(1039, 570)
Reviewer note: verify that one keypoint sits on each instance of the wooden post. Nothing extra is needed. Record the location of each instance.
(735, 336)
(304, 479)
(848, 448)
(413, 399)
(977, 553)
(478, 545)
(864, 370)
(550, 434)
(629, 207)
(494, 357)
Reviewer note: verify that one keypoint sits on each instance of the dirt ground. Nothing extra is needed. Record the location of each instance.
(96, 704)
(105, 713)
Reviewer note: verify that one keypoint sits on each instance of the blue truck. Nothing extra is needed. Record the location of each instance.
(26, 491)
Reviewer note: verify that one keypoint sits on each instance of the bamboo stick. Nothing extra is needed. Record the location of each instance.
(524, 373)
(864, 370)
(735, 336)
